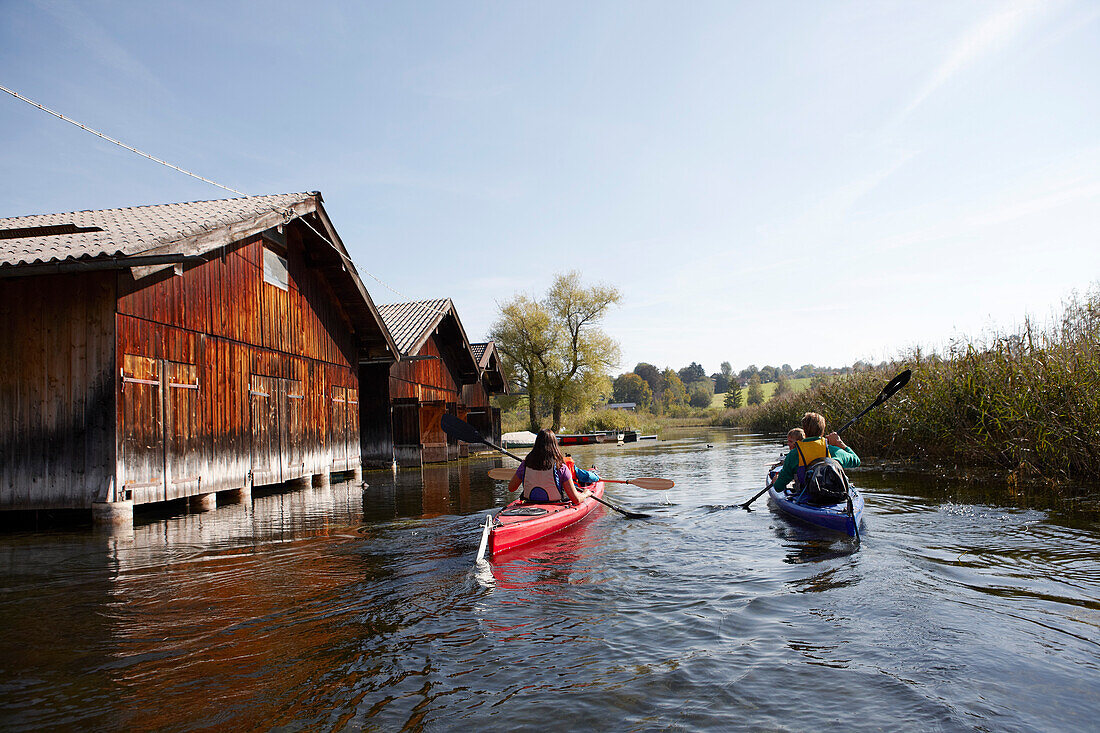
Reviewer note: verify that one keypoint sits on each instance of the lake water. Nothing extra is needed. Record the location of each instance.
(360, 608)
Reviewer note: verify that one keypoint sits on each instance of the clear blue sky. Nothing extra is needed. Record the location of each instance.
(765, 182)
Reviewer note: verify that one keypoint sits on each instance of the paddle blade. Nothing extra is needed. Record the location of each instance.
(460, 429)
(502, 474)
(486, 529)
(653, 484)
(895, 384)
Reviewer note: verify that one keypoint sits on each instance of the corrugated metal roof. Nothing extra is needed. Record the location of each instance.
(132, 231)
(408, 323)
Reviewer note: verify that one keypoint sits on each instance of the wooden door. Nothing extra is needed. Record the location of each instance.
(351, 435)
(432, 438)
(183, 433)
(292, 427)
(405, 418)
(338, 429)
(141, 458)
(495, 415)
(264, 412)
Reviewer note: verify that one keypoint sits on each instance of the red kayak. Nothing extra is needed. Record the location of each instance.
(521, 523)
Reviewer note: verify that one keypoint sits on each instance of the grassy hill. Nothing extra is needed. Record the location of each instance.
(797, 385)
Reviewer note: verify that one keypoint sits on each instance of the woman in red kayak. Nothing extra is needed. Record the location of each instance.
(544, 475)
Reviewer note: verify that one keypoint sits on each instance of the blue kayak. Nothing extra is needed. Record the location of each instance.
(837, 517)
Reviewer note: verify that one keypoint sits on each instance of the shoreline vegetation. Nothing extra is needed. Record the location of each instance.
(1015, 408)
(1022, 406)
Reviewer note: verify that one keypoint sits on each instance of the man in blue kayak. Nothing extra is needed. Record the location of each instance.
(813, 448)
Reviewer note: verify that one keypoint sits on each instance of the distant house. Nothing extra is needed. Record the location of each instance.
(436, 361)
(162, 352)
(631, 406)
(479, 410)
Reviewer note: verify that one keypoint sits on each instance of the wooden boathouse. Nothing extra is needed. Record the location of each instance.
(479, 409)
(161, 352)
(435, 362)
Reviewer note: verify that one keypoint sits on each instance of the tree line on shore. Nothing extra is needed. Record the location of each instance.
(557, 360)
(663, 390)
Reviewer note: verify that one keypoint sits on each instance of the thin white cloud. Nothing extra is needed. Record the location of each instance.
(85, 30)
(988, 36)
(1070, 181)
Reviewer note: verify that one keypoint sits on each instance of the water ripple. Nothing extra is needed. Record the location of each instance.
(351, 608)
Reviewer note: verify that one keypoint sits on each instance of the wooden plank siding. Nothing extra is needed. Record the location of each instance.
(425, 378)
(479, 410)
(57, 442)
(268, 365)
(429, 381)
(475, 396)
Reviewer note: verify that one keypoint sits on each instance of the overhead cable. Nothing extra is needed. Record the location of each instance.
(287, 213)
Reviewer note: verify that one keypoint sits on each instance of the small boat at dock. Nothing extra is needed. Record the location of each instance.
(579, 439)
(520, 439)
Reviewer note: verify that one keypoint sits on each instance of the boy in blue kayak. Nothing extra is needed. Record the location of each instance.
(793, 436)
(811, 448)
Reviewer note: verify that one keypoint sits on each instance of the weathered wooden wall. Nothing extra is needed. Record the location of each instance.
(429, 380)
(57, 357)
(479, 410)
(227, 377)
(475, 396)
(427, 377)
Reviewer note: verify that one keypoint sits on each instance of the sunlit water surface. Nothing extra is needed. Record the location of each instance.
(357, 607)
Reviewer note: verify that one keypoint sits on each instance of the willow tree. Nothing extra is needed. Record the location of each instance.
(555, 347)
(525, 334)
(578, 367)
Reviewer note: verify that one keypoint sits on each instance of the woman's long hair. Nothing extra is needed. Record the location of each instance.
(545, 454)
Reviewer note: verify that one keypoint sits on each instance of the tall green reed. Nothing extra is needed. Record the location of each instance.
(1026, 402)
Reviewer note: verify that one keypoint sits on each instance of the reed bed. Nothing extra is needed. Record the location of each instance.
(1027, 403)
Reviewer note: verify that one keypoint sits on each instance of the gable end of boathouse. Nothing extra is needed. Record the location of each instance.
(179, 350)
